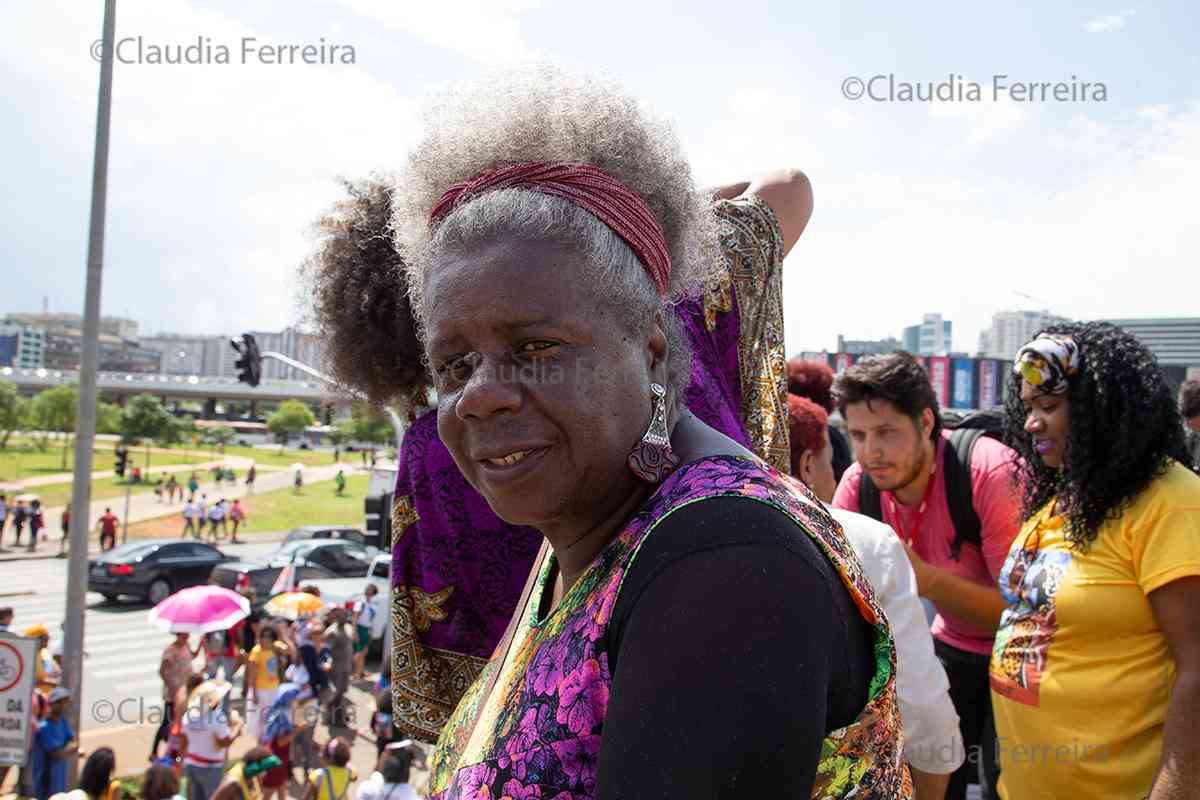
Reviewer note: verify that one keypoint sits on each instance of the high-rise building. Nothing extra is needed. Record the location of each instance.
(1012, 329)
(24, 346)
(933, 337)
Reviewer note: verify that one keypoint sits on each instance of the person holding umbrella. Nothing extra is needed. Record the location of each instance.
(199, 610)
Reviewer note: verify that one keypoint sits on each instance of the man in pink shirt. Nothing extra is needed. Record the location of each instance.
(894, 423)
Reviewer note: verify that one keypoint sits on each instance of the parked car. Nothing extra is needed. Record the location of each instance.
(345, 591)
(306, 532)
(313, 559)
(152, 570)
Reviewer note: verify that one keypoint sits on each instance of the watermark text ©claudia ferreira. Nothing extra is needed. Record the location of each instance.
(204, 51)
(955, 89)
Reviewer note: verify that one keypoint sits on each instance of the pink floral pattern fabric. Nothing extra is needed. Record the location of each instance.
(537, 734)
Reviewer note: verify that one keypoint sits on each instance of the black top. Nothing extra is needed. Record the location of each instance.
(735, 648)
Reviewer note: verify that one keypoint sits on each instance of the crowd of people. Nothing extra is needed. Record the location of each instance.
(612, 454)
(294, 674)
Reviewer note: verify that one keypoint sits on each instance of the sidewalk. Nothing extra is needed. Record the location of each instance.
(145, 505)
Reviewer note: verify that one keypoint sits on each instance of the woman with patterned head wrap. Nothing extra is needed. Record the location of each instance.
(1103, 581)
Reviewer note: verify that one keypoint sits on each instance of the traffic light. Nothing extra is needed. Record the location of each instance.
(122, 460)
(249, 366)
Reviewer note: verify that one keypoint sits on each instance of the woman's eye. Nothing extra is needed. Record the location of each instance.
(535, 347)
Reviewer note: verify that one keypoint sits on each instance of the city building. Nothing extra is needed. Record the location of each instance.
(868, 347)
(113, 326)
(933, 337)
(293, 343)
(1175, 342)
(22, 346)
(1012, 329)
(61, 343)
(182, 355)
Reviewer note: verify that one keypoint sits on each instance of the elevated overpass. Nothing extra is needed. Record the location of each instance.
(119, 385)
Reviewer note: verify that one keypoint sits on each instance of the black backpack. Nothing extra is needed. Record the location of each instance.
(965, 431)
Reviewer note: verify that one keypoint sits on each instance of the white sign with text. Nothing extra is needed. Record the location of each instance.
(17, 655)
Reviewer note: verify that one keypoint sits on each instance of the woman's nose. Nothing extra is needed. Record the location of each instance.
(489, 390)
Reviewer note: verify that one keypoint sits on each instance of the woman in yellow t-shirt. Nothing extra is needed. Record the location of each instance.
(1095, 672)
(264, 668)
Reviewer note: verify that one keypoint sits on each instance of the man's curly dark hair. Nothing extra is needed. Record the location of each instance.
(1124, 428)
(355, 279)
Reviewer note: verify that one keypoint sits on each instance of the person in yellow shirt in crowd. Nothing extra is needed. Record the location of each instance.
(332, 782)
(1095, 672)
(46, 674)
(264, 669)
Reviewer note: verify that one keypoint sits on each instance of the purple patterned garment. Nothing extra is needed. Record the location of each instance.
(458, 570)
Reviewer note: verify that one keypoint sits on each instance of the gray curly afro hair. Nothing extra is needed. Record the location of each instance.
(548, 114)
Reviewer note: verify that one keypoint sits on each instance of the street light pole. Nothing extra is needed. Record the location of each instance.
(85, 429)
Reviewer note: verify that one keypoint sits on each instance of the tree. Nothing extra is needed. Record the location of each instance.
(173, 431)
(219, 436)
(13, 409)
(108, 418)
(144, 418)
(292, 417)
(366, 424)
(54, 411)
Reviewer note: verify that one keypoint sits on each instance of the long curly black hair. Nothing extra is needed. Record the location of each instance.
(355, 281)
(1124, 428)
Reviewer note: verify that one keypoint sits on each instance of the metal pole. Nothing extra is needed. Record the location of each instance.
(85, 430)
(125, 519)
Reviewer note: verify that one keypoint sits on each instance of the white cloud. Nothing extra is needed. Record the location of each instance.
(216, 171)
(484, 30)
(1107, 23)
(955, 209)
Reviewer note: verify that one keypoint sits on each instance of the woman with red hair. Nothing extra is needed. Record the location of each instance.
(813, 380)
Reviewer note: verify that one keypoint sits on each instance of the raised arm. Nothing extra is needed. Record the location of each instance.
(789, 194)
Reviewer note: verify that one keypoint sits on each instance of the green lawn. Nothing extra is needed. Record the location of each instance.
(59, 494)
(280, 510)
(272, 457)
(22, 460)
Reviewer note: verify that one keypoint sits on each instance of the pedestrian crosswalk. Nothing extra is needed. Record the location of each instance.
(121, 685)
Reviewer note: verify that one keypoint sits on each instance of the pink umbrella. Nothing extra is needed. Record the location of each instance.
(200, 609)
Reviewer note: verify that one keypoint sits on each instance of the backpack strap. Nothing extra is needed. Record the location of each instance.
(870, 501)
(957, 464)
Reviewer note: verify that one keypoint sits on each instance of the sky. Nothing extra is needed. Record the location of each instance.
(993, 197)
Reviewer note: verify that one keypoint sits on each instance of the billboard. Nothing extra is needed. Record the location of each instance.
(962, 394)
(842, 362)
(989, 383)
(939, 376)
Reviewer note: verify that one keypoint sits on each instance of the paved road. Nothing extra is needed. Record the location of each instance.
(123, 649)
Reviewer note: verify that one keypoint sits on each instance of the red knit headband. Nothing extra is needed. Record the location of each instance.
(588, 187)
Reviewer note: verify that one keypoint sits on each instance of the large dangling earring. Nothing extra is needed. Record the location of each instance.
(652, 459)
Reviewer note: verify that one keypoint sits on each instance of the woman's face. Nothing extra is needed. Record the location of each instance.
(1047, 420)
(542, 393)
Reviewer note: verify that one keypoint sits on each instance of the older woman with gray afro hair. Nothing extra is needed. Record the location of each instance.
(570, 286)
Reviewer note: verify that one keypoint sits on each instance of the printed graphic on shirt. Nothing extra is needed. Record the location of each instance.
(1029, 583)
